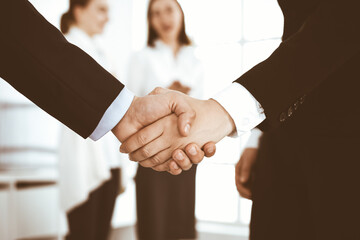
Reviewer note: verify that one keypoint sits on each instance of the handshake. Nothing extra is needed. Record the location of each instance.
(166, 130)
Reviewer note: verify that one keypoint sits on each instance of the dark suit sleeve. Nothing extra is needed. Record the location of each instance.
(57, 76)
(327, 40)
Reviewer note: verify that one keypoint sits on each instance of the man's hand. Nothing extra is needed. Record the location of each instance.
(160, 103)
(153, 146)
(146, 110)
(244, 172)
(183, 160)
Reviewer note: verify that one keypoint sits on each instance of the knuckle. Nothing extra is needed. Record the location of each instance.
(174, 172)
(131, 157)
(145, 164)
(142, 139)
(145, 152)
(161, 168)
(123, 148)
(156, 169)
(158, 90)
(193, 113)
(156, 160)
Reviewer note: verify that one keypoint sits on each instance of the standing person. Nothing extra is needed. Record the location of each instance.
(166, 204)
(89, 171)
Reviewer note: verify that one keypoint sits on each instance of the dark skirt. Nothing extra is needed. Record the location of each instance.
(92, 219)
(165, 204)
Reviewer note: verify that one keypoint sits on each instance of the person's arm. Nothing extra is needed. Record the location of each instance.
(329, 38)
(57, 76)
(68, 84)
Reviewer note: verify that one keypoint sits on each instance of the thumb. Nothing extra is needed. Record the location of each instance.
(184, 112)
(180, 107)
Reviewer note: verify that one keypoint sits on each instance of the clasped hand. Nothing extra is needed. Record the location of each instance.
(166, 129)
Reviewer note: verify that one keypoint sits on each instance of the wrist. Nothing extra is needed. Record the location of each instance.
(228, 124)
(127, 121)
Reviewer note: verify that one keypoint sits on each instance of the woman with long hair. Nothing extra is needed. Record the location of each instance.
(89, 171)
(166, 203)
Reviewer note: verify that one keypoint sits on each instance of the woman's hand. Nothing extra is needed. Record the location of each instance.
(177, 86)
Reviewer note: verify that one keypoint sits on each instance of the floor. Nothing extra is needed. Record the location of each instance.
(128, 233)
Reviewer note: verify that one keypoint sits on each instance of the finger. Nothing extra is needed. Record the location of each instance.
(149, 149)
(209, 149)
(157, 159)
(169, 166)
(141, 138)
(180, 107)
(247, 160)
(184, 111)
(181, 160)
(174, 168)
(244, 191)
(237, 172)
(245, 172)
(238, 169)
(164, 167)
(195, 154)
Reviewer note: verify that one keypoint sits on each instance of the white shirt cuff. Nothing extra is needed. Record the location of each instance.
(244, 109)
(253, 141)
(113, 114)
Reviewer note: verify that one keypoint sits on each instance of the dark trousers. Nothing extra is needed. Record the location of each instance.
(92, 219)
(165, 205)
(306, 187)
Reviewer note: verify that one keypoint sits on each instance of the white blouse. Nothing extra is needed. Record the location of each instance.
(84, 164)
(158, 67)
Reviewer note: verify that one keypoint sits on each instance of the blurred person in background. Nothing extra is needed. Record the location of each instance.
(89, 171)
(166, 203)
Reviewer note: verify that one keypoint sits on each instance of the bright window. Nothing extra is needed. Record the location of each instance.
(232, 36)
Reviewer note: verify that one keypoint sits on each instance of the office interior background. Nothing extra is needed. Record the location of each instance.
(230, 37)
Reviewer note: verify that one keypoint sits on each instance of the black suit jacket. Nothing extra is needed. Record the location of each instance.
(57, 76)
(311, 82)
(309, 88)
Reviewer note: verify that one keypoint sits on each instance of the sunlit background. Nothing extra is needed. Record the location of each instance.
(230, 37)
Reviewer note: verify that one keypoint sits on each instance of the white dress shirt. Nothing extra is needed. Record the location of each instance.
(253, 141)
